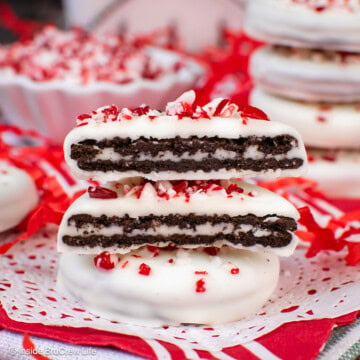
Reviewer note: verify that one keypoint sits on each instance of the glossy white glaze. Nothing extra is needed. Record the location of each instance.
(337, 173)
(302, 74)
(298, 24)
(168, 295)
(18, 195)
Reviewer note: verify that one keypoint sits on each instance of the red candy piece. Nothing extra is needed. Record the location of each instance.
(234, 188)
(181, 187)
(326, 4)
(321, 119)
(331, 158)
(126, 117)
(186, 111)
(154, 250)
(212, 251)
(200, 286)
(253, 113)
(99, 192)
(82, 124)
(234, 271)
(220, 107)
(104, 261)
(140, 191)
(110, 110)
(84, 116)
(311, 158)
(141, 110)
(144, 269)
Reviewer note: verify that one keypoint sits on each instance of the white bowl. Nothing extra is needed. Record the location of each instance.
(52, 107)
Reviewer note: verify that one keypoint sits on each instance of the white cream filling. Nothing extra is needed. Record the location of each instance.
(253, 153)
(164, 230)
(110, 154)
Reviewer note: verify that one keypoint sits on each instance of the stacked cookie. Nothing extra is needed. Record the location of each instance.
(159, 242)
(309, 78)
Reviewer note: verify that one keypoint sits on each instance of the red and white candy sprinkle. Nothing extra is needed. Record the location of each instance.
(76, 56)
(182, 107)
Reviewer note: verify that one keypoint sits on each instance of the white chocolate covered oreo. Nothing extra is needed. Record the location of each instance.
(310, 75)
(185, 214)
(18, 195)
(172, 287)
(216, 141)
(326, 24)
(329, 126)
(336, 172)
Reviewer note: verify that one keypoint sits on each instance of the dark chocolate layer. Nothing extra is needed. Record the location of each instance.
(85, 152)
(280, 230)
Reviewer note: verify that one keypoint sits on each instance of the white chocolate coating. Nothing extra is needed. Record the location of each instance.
(309, 75)
(299, 25)
(229, 123)
(324, 126)
(18, 195)
(337, 172)
(253, 200)
(168, 296)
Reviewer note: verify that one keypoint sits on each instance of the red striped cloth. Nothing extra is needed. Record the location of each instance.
(301, 340)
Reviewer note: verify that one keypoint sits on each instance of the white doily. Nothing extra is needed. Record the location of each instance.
(321, 287)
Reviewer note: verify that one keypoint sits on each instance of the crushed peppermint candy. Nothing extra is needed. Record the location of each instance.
(318, 56)
(167, 190)
(106, 261)
(99, 192)
(234, 188)
(251, 112)
(200, 286)
(202, 272)
(182, 107)
(78, 57)
(329, 155)
(153, 249)
(321, 119)
(144, 269)
(211, 250)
